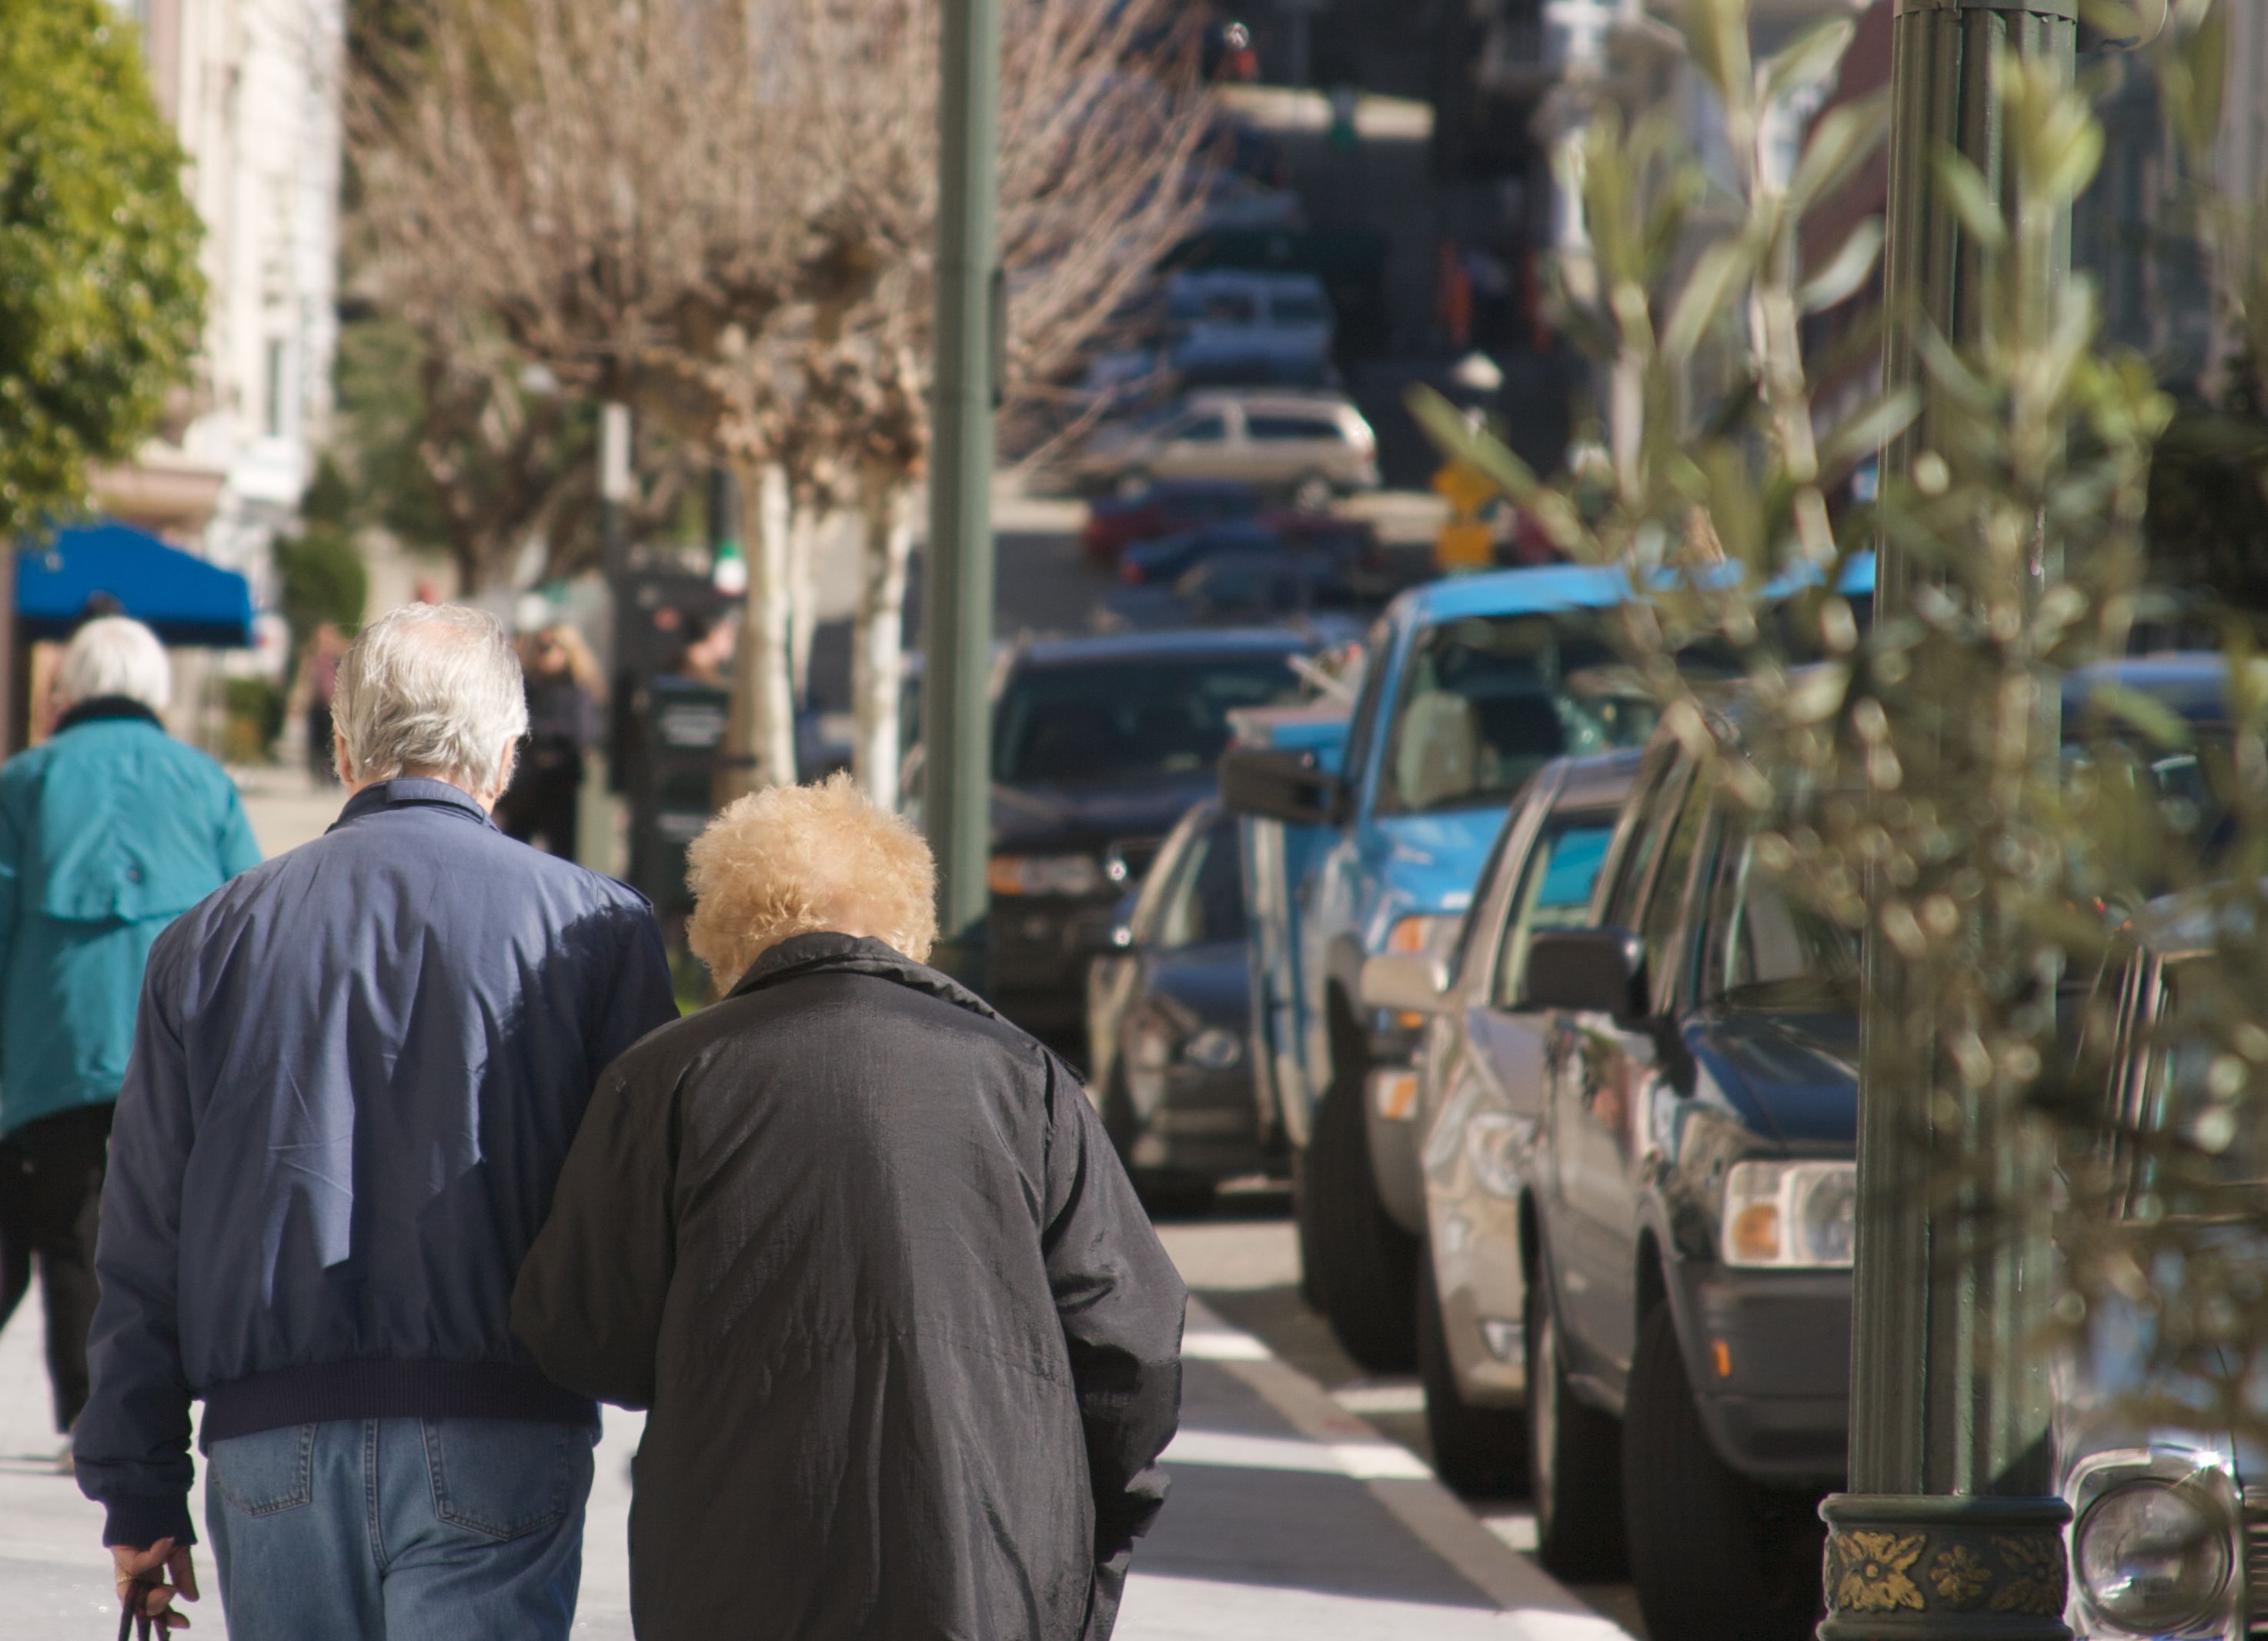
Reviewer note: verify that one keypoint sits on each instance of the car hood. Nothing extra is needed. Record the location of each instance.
(1432, 860)
(1791, 1075)
(1209, 985)
(1089, 814)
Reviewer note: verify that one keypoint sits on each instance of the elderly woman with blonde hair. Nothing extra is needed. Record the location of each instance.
(910, 1347)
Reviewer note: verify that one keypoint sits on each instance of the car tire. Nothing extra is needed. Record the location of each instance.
(1367, 1262)
(1480, 1452)
(1713, 1557)
(1574, 1458)
(1304, 1219)
(1314, 494)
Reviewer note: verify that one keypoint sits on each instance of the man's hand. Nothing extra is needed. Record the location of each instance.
(151, 1569)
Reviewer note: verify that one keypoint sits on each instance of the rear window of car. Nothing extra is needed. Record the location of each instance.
(1300, 308)
(1112, 720)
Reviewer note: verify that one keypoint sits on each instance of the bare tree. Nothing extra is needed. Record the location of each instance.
(723, 213)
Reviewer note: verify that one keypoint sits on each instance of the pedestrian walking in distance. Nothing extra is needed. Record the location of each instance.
(109, 830)
(910, 1347)
(357, 1071)
(563, 720)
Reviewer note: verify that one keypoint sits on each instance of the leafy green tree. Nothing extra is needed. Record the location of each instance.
(100, 297)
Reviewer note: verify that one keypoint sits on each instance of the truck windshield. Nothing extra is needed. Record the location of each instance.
(1484, 705)
(1125, 720)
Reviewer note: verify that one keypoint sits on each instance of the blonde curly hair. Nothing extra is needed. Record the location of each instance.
(793, 860)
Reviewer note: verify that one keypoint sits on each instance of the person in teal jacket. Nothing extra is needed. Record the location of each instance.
(108, 831)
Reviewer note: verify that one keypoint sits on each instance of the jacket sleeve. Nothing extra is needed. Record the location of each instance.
(641, 995)
(239, 849)
(1122, 1303)
(131, 1444)
(11, 882)
(589, 1300)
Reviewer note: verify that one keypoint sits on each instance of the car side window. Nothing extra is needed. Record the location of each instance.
(1555, 893)
(1277, 428)
(1205, 905)
(1205, 429)
(1645, 826)
(1665, 920)
(1376, 665)
(1491, 897)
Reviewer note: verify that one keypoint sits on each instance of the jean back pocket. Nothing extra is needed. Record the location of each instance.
(502, 1478)
(266, 1472)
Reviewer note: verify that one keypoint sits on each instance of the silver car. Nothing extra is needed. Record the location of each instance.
(1478, 1094)
(1308, 446)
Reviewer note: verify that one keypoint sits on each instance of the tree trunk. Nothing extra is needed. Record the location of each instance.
(806, 533)
(878, 637)
(761, 725)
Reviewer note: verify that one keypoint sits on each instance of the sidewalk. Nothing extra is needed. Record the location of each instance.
(1289, 1517)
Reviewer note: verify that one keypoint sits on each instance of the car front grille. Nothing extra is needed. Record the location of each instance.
(2256, 1562)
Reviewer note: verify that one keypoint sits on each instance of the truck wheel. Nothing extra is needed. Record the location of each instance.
(1480, 1452)
(1367, 1261)
(1575, 1467)
(1713, 1556)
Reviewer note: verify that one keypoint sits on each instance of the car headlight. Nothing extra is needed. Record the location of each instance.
(1433, 935)
(2152, 1556)
(1069, 875)
(1215, 1049)
(1801, 1215)
(1491, 1139)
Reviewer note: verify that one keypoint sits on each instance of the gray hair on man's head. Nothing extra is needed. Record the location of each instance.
(114, 655)
(434, 690)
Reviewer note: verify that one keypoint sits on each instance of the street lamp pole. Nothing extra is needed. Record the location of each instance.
(958, 574)
(1950, 1530)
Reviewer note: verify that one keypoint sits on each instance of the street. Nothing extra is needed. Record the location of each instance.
(1297, 1510)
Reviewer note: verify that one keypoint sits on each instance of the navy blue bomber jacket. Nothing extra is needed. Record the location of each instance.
(356, 1074)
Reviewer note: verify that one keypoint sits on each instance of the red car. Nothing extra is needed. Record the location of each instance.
(1116, 523)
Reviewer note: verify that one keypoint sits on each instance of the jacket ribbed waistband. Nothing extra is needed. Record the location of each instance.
(319, 1392)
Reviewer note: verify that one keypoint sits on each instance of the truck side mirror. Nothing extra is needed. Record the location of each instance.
(1585, 971)
(1279, 785)
(1403, 982)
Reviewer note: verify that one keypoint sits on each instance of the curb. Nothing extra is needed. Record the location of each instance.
(1401, 1481)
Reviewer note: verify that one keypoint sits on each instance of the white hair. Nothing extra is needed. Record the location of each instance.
(113, 655)
(432, 689)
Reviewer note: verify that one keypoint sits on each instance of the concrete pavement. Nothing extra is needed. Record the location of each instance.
(1289, 1517)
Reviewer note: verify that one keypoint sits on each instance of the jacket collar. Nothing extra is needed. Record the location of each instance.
(412, 791)
(95, 709)
(855, 955)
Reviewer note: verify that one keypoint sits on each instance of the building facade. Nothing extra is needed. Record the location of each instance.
(252, 89)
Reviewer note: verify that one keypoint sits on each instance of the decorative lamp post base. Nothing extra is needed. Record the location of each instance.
(1946, 1568)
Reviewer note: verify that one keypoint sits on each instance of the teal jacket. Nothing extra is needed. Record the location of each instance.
(108, 831)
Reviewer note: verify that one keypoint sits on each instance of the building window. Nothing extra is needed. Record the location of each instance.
(280, 387)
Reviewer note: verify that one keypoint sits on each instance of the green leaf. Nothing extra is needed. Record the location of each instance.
(1718, 274)
(1840, 142)
(1965, 190)
(1844, 272)
(1444, 425)
(1871, 428)
(1808, 60)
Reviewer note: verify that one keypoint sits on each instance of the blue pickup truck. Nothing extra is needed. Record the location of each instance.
(1362, 830)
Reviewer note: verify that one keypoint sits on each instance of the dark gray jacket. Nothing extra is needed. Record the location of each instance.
(911, 1346)
(357, 1071)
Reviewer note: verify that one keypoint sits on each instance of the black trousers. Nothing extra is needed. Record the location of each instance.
(50, 1201)
(543, 798)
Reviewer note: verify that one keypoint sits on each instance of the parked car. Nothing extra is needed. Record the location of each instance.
(1693, 1187)
(1096, 743)
(1169, 1016)
(1116, 523)
(1478, 1088)
(1345, 542)
(1269, 585)
(1365, 832)
(2169, 1510)
(1307, 447)
(1284, 312)
(1238, 360)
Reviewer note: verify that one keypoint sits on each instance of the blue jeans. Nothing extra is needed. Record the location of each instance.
(400, 1529)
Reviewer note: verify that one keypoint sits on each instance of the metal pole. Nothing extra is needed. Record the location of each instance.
(958, 581)
(614, 566)
(1949, 1450)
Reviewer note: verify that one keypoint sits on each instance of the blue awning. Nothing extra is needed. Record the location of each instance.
(182, 598)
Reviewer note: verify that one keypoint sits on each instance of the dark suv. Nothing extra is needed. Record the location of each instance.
(1689, 1211)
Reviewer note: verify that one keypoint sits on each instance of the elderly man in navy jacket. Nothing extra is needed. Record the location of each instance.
(356, 1075)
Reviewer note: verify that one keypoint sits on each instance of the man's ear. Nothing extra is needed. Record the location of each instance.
(340, 762)
(505, 767)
